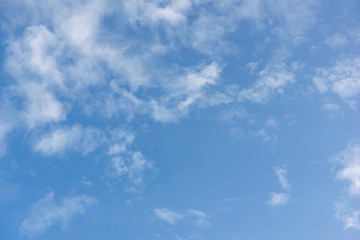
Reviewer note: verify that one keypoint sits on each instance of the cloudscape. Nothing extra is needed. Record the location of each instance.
(179, 119)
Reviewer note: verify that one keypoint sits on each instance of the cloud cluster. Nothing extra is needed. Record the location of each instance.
(343, 79)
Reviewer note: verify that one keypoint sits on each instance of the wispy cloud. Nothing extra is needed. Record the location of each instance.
(133, 165)
(348, 216)
(150, 12)
(167, 215)
(192, 216)
(46, 212)
(336, 41)
(282, 177)
(263, 134)
(280, 199)
(75, 138)
(271, 80)
(198, 218)
(185, 92)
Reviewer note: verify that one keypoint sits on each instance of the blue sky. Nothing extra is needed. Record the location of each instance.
(180, 119)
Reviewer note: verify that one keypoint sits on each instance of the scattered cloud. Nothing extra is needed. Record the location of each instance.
(252, 66)
(332, 109)
(133, 165)
(282, 177)
(167, 215)
(342, 79)
(348, 216)
(348, 162)
(117, 143)
(192, 216)
(273, 79)
(336, 41)
(278, 199)
(296, 18)
(184, 92)
(198, 218)
(46, 212)
(150, 12)
(76, 138)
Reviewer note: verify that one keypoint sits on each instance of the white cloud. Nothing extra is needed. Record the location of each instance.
(348, 216)
(147, 12)
(342, 79)
(332, 109)
(123, 161)
(278, 199)
(65, 60)
(35, 52)
(264, 135)
(167, 215)
(252, 66)
(42, 106)
(336, 41)
(349, 162)
(120, 141)
(131, 164)
(77, 53)
(75, 138)
(184, 92)
(29, 59)
(273, 79)
(198, 218)
(282, 177)
(192, 216)
(45, 213)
